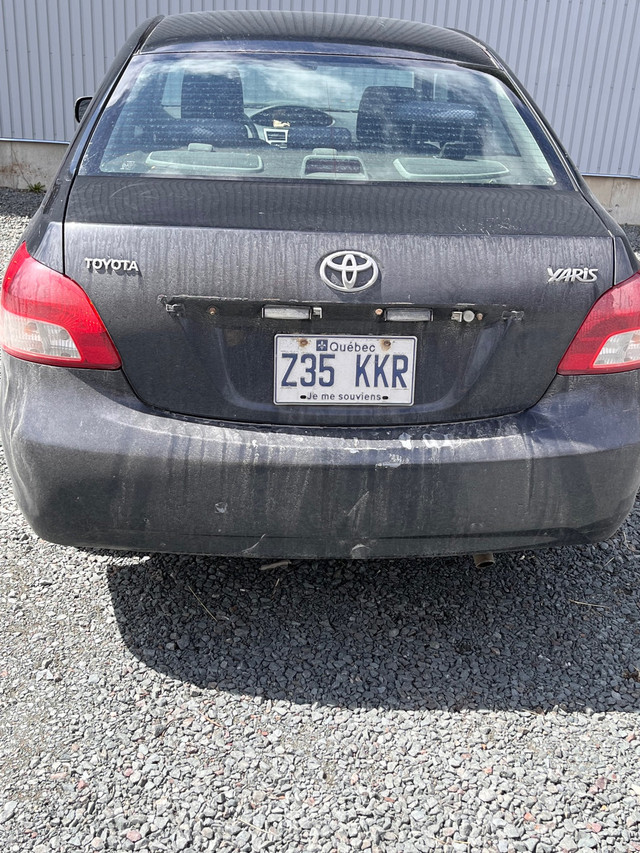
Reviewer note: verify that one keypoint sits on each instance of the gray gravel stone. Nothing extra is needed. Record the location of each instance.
(8, 810)
(16, 208)
(633, 233)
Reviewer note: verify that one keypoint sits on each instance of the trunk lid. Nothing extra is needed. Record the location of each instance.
(189, 325)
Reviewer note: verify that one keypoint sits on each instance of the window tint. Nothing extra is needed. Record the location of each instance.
(251, 116)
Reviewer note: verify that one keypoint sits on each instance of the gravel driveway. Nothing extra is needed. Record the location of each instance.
(195, 704)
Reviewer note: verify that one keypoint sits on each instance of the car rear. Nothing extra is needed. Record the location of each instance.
(316, 297)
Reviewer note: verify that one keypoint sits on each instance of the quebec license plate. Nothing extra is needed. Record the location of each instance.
(344, 370)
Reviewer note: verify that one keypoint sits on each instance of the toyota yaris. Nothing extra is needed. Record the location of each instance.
(319, 286)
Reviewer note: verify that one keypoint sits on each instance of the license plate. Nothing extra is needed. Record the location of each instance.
(344, 370)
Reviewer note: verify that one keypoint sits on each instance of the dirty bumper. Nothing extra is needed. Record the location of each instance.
(92, 466)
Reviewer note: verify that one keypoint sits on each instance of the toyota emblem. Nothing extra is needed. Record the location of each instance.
(349, 271)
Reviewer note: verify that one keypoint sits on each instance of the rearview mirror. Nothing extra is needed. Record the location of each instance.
(81, 106)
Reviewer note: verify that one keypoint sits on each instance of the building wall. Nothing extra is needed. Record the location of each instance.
(579, 59)
(29, 164)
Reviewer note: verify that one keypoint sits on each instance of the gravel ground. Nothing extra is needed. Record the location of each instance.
(195, 704)
(633, 233)
(16, 208)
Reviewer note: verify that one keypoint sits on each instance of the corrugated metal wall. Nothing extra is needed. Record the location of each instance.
(579, 59)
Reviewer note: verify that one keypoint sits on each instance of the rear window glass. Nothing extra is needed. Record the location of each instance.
(314, 117)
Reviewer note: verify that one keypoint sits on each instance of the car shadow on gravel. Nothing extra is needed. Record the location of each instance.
(539, 629)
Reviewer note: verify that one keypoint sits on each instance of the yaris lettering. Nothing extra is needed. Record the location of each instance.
(572, 274)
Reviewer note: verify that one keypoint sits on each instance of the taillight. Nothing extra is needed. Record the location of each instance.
(47, 317)
(608, 341)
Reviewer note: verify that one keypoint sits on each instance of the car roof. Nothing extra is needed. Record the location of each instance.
(195, 31)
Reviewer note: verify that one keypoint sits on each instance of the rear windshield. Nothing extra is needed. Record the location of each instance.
(315, 117)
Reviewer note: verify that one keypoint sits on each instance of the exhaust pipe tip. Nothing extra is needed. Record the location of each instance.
(483, 561)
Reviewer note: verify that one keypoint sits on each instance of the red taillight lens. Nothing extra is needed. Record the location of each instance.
(608, 341)
(47, 317)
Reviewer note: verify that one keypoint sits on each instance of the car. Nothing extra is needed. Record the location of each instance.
(319, 286)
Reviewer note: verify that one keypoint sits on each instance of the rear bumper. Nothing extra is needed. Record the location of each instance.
(92, 466)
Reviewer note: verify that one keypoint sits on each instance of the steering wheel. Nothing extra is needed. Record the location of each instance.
(292, 115)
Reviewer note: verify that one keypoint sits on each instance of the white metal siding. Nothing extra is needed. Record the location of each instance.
(577, 58)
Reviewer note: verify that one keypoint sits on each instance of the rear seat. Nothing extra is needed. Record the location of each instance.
(211, 112)
(376, 125)
(394, 117)
(319, 137)
(438, 125)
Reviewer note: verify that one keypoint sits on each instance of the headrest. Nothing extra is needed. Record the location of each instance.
(373, 121)
(436, 111)
(314, 137)
(212, 96)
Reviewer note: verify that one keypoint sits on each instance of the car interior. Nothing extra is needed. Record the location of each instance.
(200, 121)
